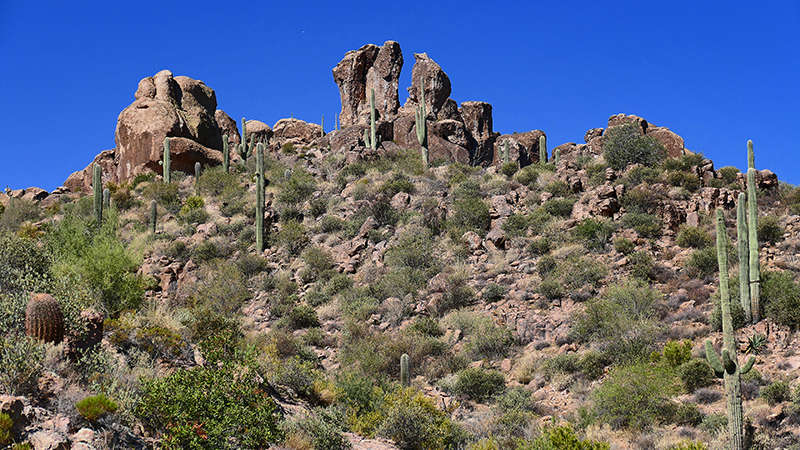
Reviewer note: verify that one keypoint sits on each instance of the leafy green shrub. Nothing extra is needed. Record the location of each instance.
(25, 264)
(470, 212)
(704, 261)
(634, 397)
(728, 174)
(625, 144)
(479, 384)
(20, 364)
(695, 374)
(594, 232)
(493, 292)
(688, 445)
(643, 174)
(775, 393)
(769, 229)
(398, 182)
(292, 236)
(216, 298)
(540, 246)
(552, 289)
(509, 169)
(558, 188)
(514, 411)
(426, 326)
(559, 207)
(686, 180)
(647, 225)
(301, 316)
(677, 353)
(712, 423)
(624, 245)
(218, 183)
(780, 296)
(165, 195)
(383, 212)
(234, 410)
(515, 225)
(18, 212)
(331, 224)
(318, 262)
(642, 265)
(322, 429)
(563, 437)
(92, 408)
(527, 175)
(546, 265)
(490, 342)
(413, 422)
(6, 424)
(693, 237)
(297, 189)
(194, 210)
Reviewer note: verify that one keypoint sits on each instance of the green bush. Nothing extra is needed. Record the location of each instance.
(688, 445)
(594, 232)
(297, 189)
(624, 245)
(212, 407)
(643, 174)
(24, 264)
(292, 236)
(527, 175)
(704, 261)
(216, 298)
(642, 265)
(775, 393)
(509, 169)
(165, 195)
(687, 414)
(490, 342)
(20, 364)
(217, 183)
(693, 237)
(563, 438)
(625, 144)
(92, 408)
(713, 423)
(322, 429)
(780, 297)
(769, 229)
(688, 181)
(331, 224)
(634, 397)
(414, 423)
(479, 384)
(677, 353)
(552, 289)
(559, 207)
(470, 212)
(647, 225)
(540, 246)
(515, 225)
(18, 212)
(318, 262)
(728, 174)
(398, 182)
(493, 292)
(695, 374)
(558, 188)
(642, 200)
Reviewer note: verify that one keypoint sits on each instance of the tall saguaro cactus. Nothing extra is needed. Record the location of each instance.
(744, 256)
(542, 149)
(153, 216)
(728, 367)
(422, 125)
(260, 198)
(226, 154)
(371, 137)
(506, 158)
(244, 149)
(405, 375)
(752, 226)
(166, 162)
(97, 192)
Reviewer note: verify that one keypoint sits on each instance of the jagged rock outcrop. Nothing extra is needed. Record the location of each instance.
(362, 70)
(670, 140)
(437, 89)
(477, 117)
(180, 108)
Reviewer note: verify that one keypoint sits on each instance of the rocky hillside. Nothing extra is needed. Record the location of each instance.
(501, 295)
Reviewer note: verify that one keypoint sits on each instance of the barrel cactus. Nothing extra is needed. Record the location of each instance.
(44, 319)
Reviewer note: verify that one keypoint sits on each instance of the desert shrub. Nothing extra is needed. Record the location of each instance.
(594, 232)
(527, 175)
(540, 246)
(123, 200)
(321, 428)
(301, 316)
(624, 245)
(493, 292)
(479, 384)
(414, 423)
(728, 174)
(514, 411)
(695, 374)
(292, 236)
(640, 200)
(688, 445)
(576, 272)
(643, 174)
(687, 414)
(383, 212)
(677, 353)
(623, 319)
(251, 265)
(693, 237)
(686, 180)
(538, 220)
(490, 342)
(95, 406)
(331, 224)
(164, 194)
(318, 207)
(552, 289)
(318, 263)
(625, 144)
(704, 261)
(713, 423)
(559, 207)
(470, 212)
(634, 397)
(776, 392)
(769, 229)
(737, 315)
(24, 264)
(297, 189)
(235, 411)
(642, 265)
(558, 188)
(546, 265)
(18, 212)
(216, 297)
(647, 225)
(290, 213)
(20, 364)
(515, 225)
(706, 396)
(194, 210)
(563, 437)
(509, 169)
(398, 182)
(780, 297)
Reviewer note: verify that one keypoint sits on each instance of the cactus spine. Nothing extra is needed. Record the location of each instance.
(43, 319)
(728, 367)
(260, 198)
(422, 125)
(744, 256)
(405, 375)
(166, 162)
(542, 149)
(226, 154)
(97, 192)
(752, 225)
(153, 216)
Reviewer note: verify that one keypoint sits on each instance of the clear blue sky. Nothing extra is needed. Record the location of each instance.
(717, 73)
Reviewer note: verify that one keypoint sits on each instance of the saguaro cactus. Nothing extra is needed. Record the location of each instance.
(752, 225)
(371, 137)
(166, 162)
(506, 159)
(260, 198)
(106, 198)
(153, 216)
(244, 149)
(405, 375)
(542, 149)
(744, 257)
(557, 157)
(226, 154)
(43, 319)
(196, 171)
(97, 192)
(322, 126)
(422, 125)
(728, 367)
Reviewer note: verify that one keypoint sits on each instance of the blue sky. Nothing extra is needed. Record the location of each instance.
(717, 73)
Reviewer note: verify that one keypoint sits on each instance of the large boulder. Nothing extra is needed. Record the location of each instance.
(523, 147)
(477, 117)
(370, 67)
(295, 130)
(437, 88)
